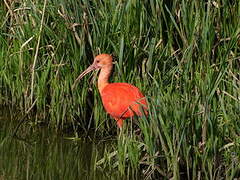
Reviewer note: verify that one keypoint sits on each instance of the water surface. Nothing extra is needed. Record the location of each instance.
(39, 153)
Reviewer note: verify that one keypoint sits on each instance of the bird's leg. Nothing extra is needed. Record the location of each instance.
(119, 122)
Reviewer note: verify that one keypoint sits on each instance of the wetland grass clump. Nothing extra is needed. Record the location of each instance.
(184, 55)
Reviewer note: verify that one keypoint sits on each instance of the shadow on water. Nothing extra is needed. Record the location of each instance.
(39, 153)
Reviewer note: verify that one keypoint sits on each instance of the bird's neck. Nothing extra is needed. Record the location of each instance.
(104, 77)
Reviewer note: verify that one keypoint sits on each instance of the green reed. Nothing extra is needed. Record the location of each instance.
(184, 55)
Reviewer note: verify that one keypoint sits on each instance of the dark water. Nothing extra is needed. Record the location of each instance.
(38, 153)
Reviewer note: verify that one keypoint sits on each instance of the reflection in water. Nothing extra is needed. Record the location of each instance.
(38, 153)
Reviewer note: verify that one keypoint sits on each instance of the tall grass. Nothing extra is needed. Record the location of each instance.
(184, 55)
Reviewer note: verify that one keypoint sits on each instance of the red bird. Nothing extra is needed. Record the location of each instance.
(120, 100)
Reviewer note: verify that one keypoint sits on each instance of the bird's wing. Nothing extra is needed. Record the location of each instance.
(120, 99)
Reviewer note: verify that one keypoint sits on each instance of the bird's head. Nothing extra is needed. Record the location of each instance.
(100, 61)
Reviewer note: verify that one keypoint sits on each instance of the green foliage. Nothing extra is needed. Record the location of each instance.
(184, 55)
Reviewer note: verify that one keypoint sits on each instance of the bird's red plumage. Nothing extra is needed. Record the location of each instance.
(123, 100)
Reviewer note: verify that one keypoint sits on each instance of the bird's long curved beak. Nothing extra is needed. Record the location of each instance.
(89, 69)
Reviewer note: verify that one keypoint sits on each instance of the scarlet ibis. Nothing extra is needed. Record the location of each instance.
(120, 100)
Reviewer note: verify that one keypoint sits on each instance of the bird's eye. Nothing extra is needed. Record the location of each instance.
(97, 61)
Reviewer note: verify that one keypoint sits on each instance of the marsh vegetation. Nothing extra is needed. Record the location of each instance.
(183, 55)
